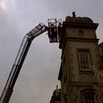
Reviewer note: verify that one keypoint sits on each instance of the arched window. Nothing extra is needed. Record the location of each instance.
(87, 96)
(80, 33)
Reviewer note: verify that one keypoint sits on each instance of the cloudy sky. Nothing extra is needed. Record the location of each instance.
(38, 77)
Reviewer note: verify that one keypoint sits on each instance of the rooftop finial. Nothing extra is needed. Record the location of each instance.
(73, 13)
(56, 86)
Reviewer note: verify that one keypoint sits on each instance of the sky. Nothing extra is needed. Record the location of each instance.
(39, 75)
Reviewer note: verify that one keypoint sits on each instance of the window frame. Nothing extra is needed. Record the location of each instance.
(87, 59)
(88, 96)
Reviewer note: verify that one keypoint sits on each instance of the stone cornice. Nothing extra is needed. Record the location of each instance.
(81, 39)
(85, 84)
(81, 25)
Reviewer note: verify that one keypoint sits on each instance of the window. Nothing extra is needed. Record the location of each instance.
(84, 59)
(80, 33)
(88, 96)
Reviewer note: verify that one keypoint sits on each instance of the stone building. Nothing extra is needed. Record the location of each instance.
(81, 72)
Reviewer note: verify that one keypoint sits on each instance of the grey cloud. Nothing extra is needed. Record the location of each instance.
(38, 76)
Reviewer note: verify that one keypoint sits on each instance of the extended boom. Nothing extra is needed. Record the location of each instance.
(23, 50)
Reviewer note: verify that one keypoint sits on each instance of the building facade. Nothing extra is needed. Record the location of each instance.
(81, 71)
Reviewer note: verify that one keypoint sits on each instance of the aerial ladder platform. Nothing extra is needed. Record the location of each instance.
(54, 30)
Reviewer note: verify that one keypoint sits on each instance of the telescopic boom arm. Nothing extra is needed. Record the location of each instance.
(26, 42)
(53, 33)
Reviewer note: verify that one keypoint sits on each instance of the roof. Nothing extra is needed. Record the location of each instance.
(78, 19)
